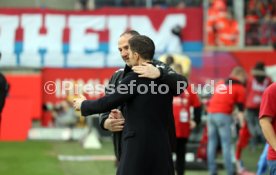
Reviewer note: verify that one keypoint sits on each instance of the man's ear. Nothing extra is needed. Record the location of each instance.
(136, 55)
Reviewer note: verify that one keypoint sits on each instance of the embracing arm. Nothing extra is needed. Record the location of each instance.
(177, 83)
(104, 104)
(108, 102)
(167, 75)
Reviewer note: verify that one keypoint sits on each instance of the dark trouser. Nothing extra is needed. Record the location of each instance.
(180, 155)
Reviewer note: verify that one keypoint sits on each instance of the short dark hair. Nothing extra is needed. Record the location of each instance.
(143, 45)
(260, 66)
(130, 32)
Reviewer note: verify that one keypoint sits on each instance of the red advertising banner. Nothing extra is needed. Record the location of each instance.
(26, 87)
(17, 119)
(23, 104)
(58, 84)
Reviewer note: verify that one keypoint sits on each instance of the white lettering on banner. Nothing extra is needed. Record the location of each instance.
(8, 25)
(51, 40)
(9, 59)
(35, 40)
(163, 37)
(116, 26)
(80, 40)
(43, 44)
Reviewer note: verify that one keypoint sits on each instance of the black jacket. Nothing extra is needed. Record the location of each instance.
(3, 91)
(168, 76)
(145, 142)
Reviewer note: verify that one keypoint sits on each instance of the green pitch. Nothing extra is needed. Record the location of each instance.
(41, 158)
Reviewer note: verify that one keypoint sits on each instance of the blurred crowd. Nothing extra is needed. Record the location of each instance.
(91, 4)
(61, 114)
(223, 25)
(260, 22)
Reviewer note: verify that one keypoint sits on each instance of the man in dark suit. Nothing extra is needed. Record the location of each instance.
(114, 120)
(148, 103)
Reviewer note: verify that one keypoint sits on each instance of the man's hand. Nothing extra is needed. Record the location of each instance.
(78, 101)
(192, 124)
(115, 114)
(147, 70)
(115, 121)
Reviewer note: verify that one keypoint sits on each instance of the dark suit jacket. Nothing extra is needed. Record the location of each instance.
(169, 77)
(145, 140)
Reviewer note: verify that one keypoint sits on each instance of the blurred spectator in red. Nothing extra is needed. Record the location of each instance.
(222, 29)
(183, 121)
(217, 10)
(211, 22)
(220, 8)
(227, 30)
(211, 33)
(219, 119)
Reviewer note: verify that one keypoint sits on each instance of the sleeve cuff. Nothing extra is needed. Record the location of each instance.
(84, 108)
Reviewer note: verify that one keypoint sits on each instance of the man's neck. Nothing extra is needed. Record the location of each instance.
(141, 61)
